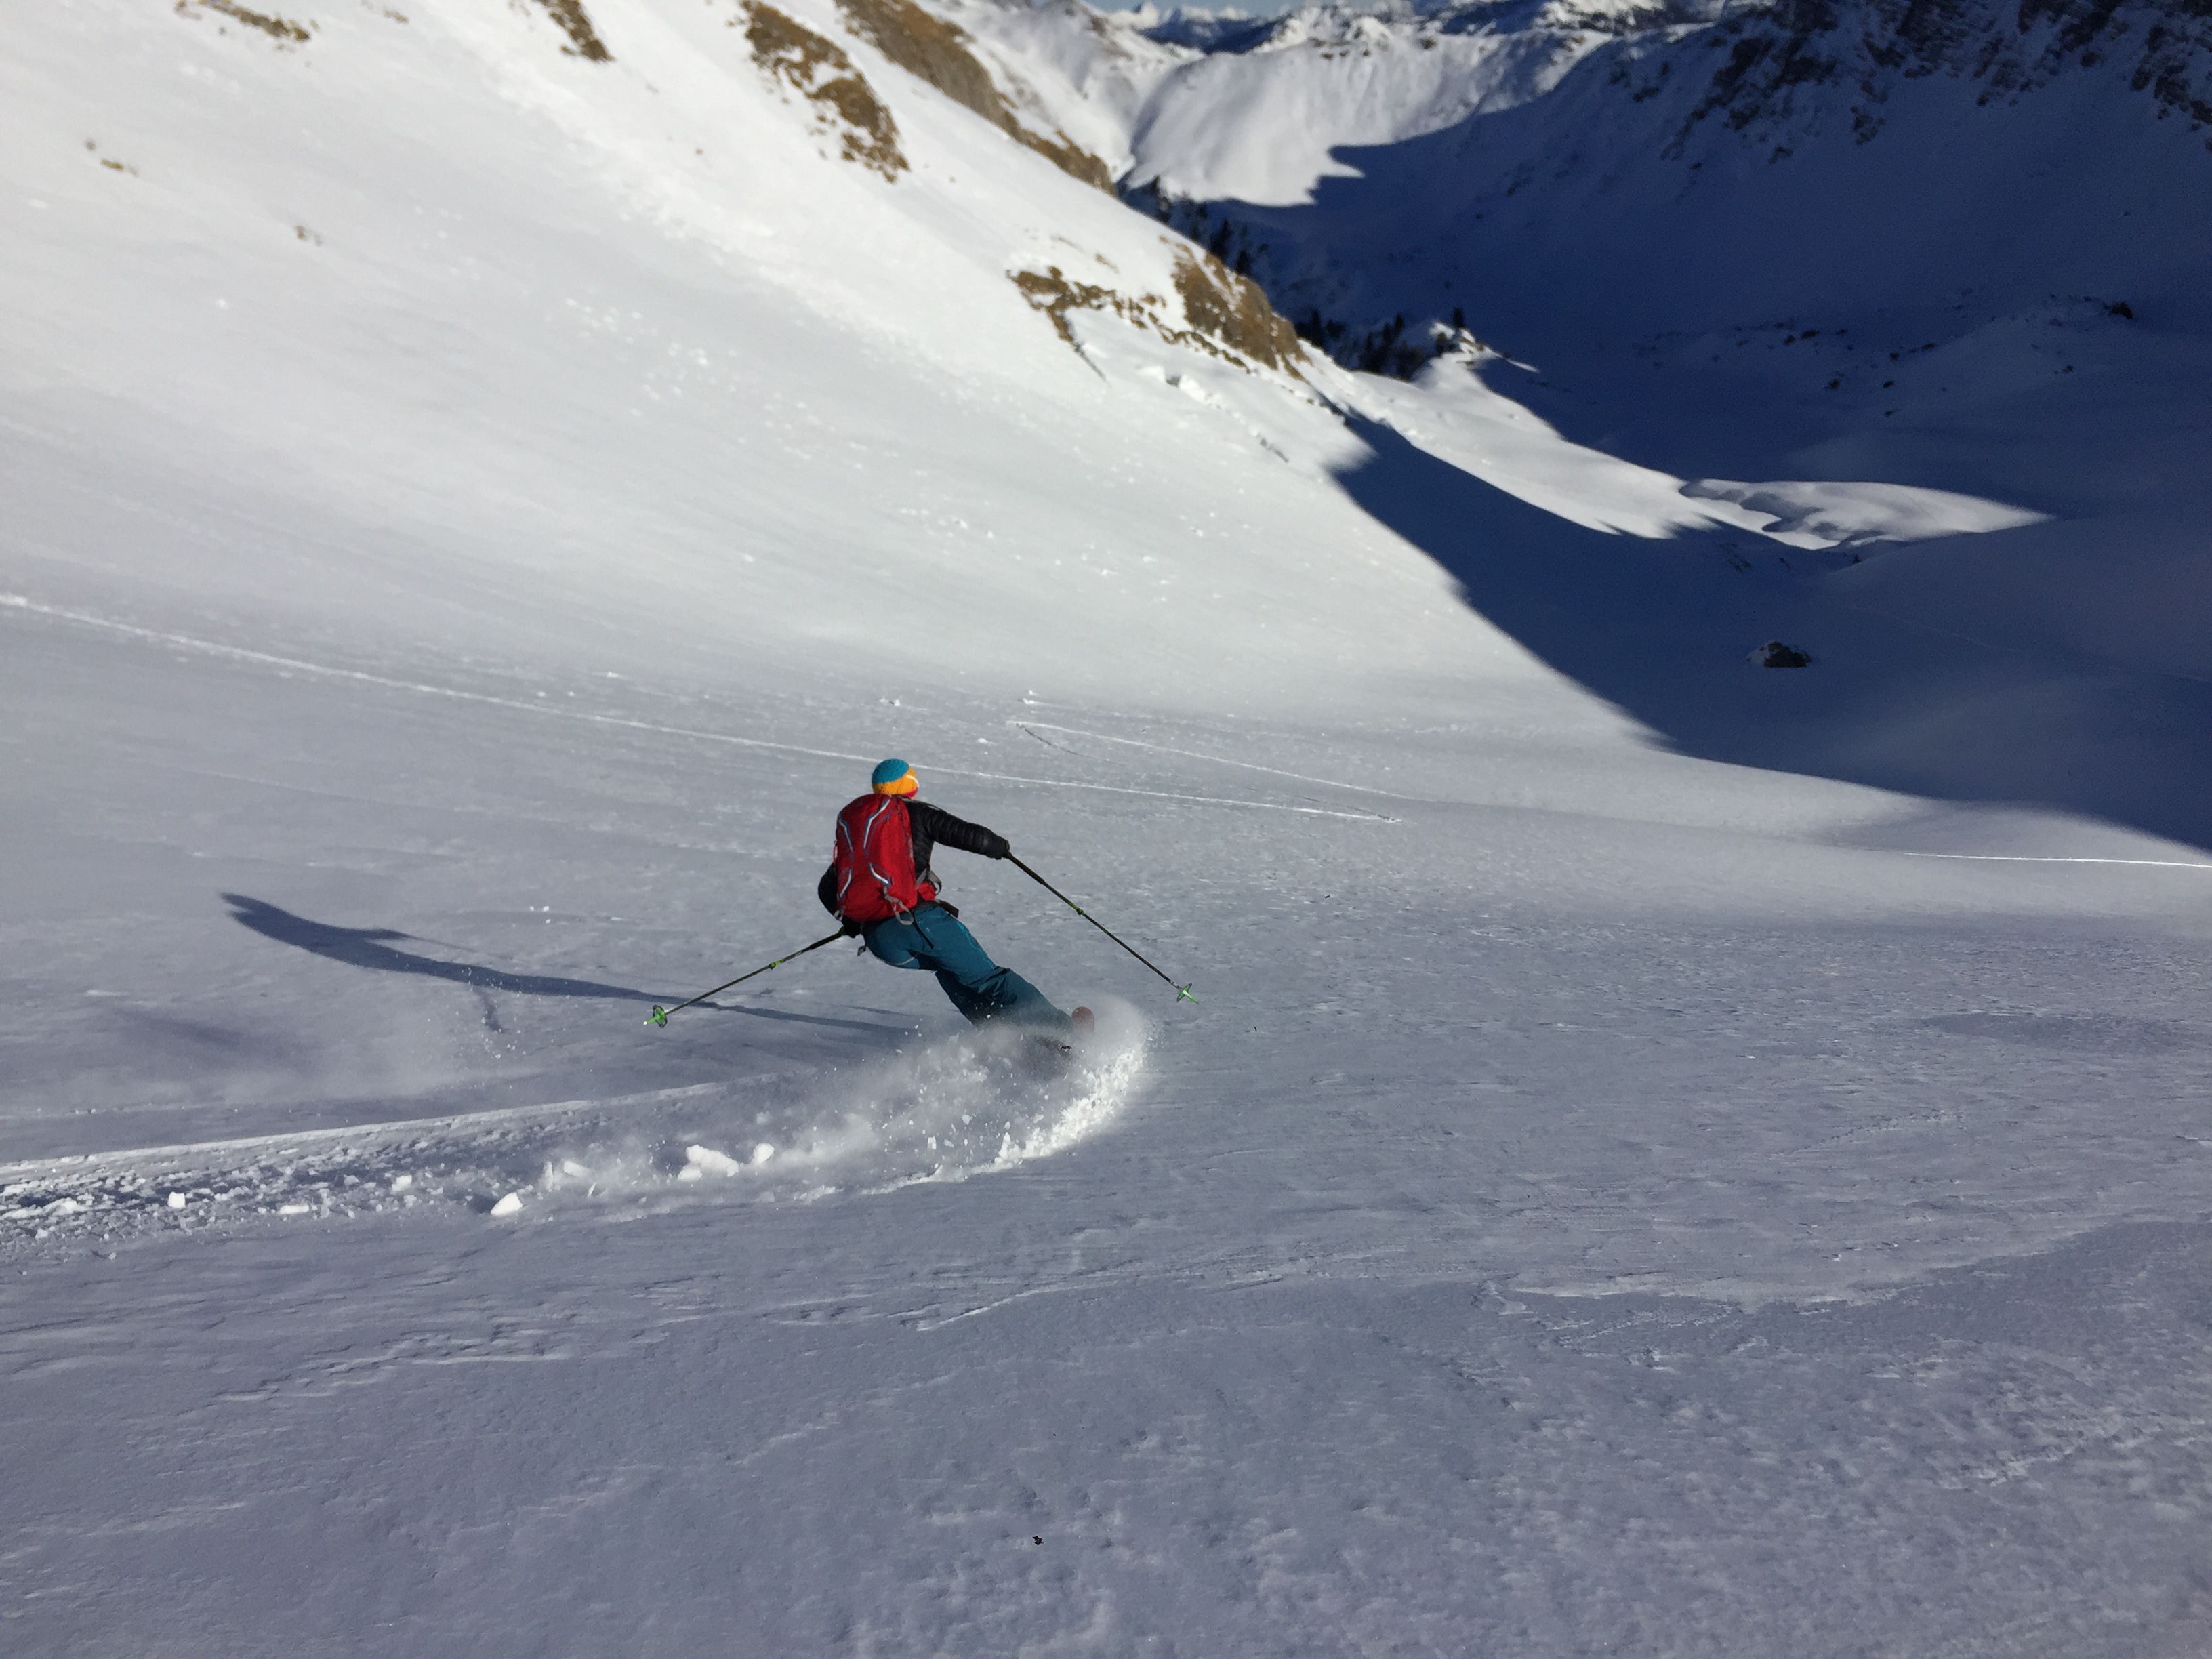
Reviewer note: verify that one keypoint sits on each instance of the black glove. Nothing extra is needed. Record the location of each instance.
(999, 848)
(851, 929)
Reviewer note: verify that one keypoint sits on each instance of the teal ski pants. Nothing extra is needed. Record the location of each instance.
(933, 938)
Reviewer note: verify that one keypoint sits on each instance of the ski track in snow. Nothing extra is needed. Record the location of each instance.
(1033, 726)
(943, 1110)
(2025, 858)
(297, 666)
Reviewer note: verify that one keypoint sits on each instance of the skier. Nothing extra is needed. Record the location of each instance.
(881, 885)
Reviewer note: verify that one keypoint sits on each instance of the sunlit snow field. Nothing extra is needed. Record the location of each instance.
(1605, 1197)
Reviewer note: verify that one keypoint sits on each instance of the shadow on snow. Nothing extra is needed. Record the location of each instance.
(1895, 698)
(369, 947)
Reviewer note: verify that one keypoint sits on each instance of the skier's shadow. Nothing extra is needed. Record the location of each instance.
(366, 947)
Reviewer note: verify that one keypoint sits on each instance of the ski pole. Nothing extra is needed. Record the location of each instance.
(659, 1015)
(1183, 992)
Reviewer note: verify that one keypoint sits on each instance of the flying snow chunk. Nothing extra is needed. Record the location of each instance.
(176, 1200)
(707, 1161)
(511, 1205)
(763, 1153)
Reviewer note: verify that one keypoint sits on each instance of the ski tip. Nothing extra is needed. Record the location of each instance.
(658, 1016)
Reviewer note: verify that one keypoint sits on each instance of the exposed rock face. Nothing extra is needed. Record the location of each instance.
(1228, 315)
(928, 47)
(1052, 292)
(283, 30)
(573, 22)
(1234, 310)
(819, 71)
(2012, 46)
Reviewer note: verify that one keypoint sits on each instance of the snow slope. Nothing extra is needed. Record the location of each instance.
(1775, 255)
(476, 508)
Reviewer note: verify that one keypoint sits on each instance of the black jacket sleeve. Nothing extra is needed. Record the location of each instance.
(933, 824)
(826, 889)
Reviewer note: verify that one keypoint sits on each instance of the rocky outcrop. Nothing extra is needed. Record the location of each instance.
(1227, 315)
(927, 47)
(1869, 47)
(283, 30)
(1234, 310)
(584, 40)
(817, 70)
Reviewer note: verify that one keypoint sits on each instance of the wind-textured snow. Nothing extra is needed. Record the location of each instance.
(1668, 1157)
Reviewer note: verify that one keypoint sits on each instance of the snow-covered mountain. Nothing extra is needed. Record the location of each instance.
(1753, 155)
(1672, 1152)
(1959, 246)
(836, 220)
